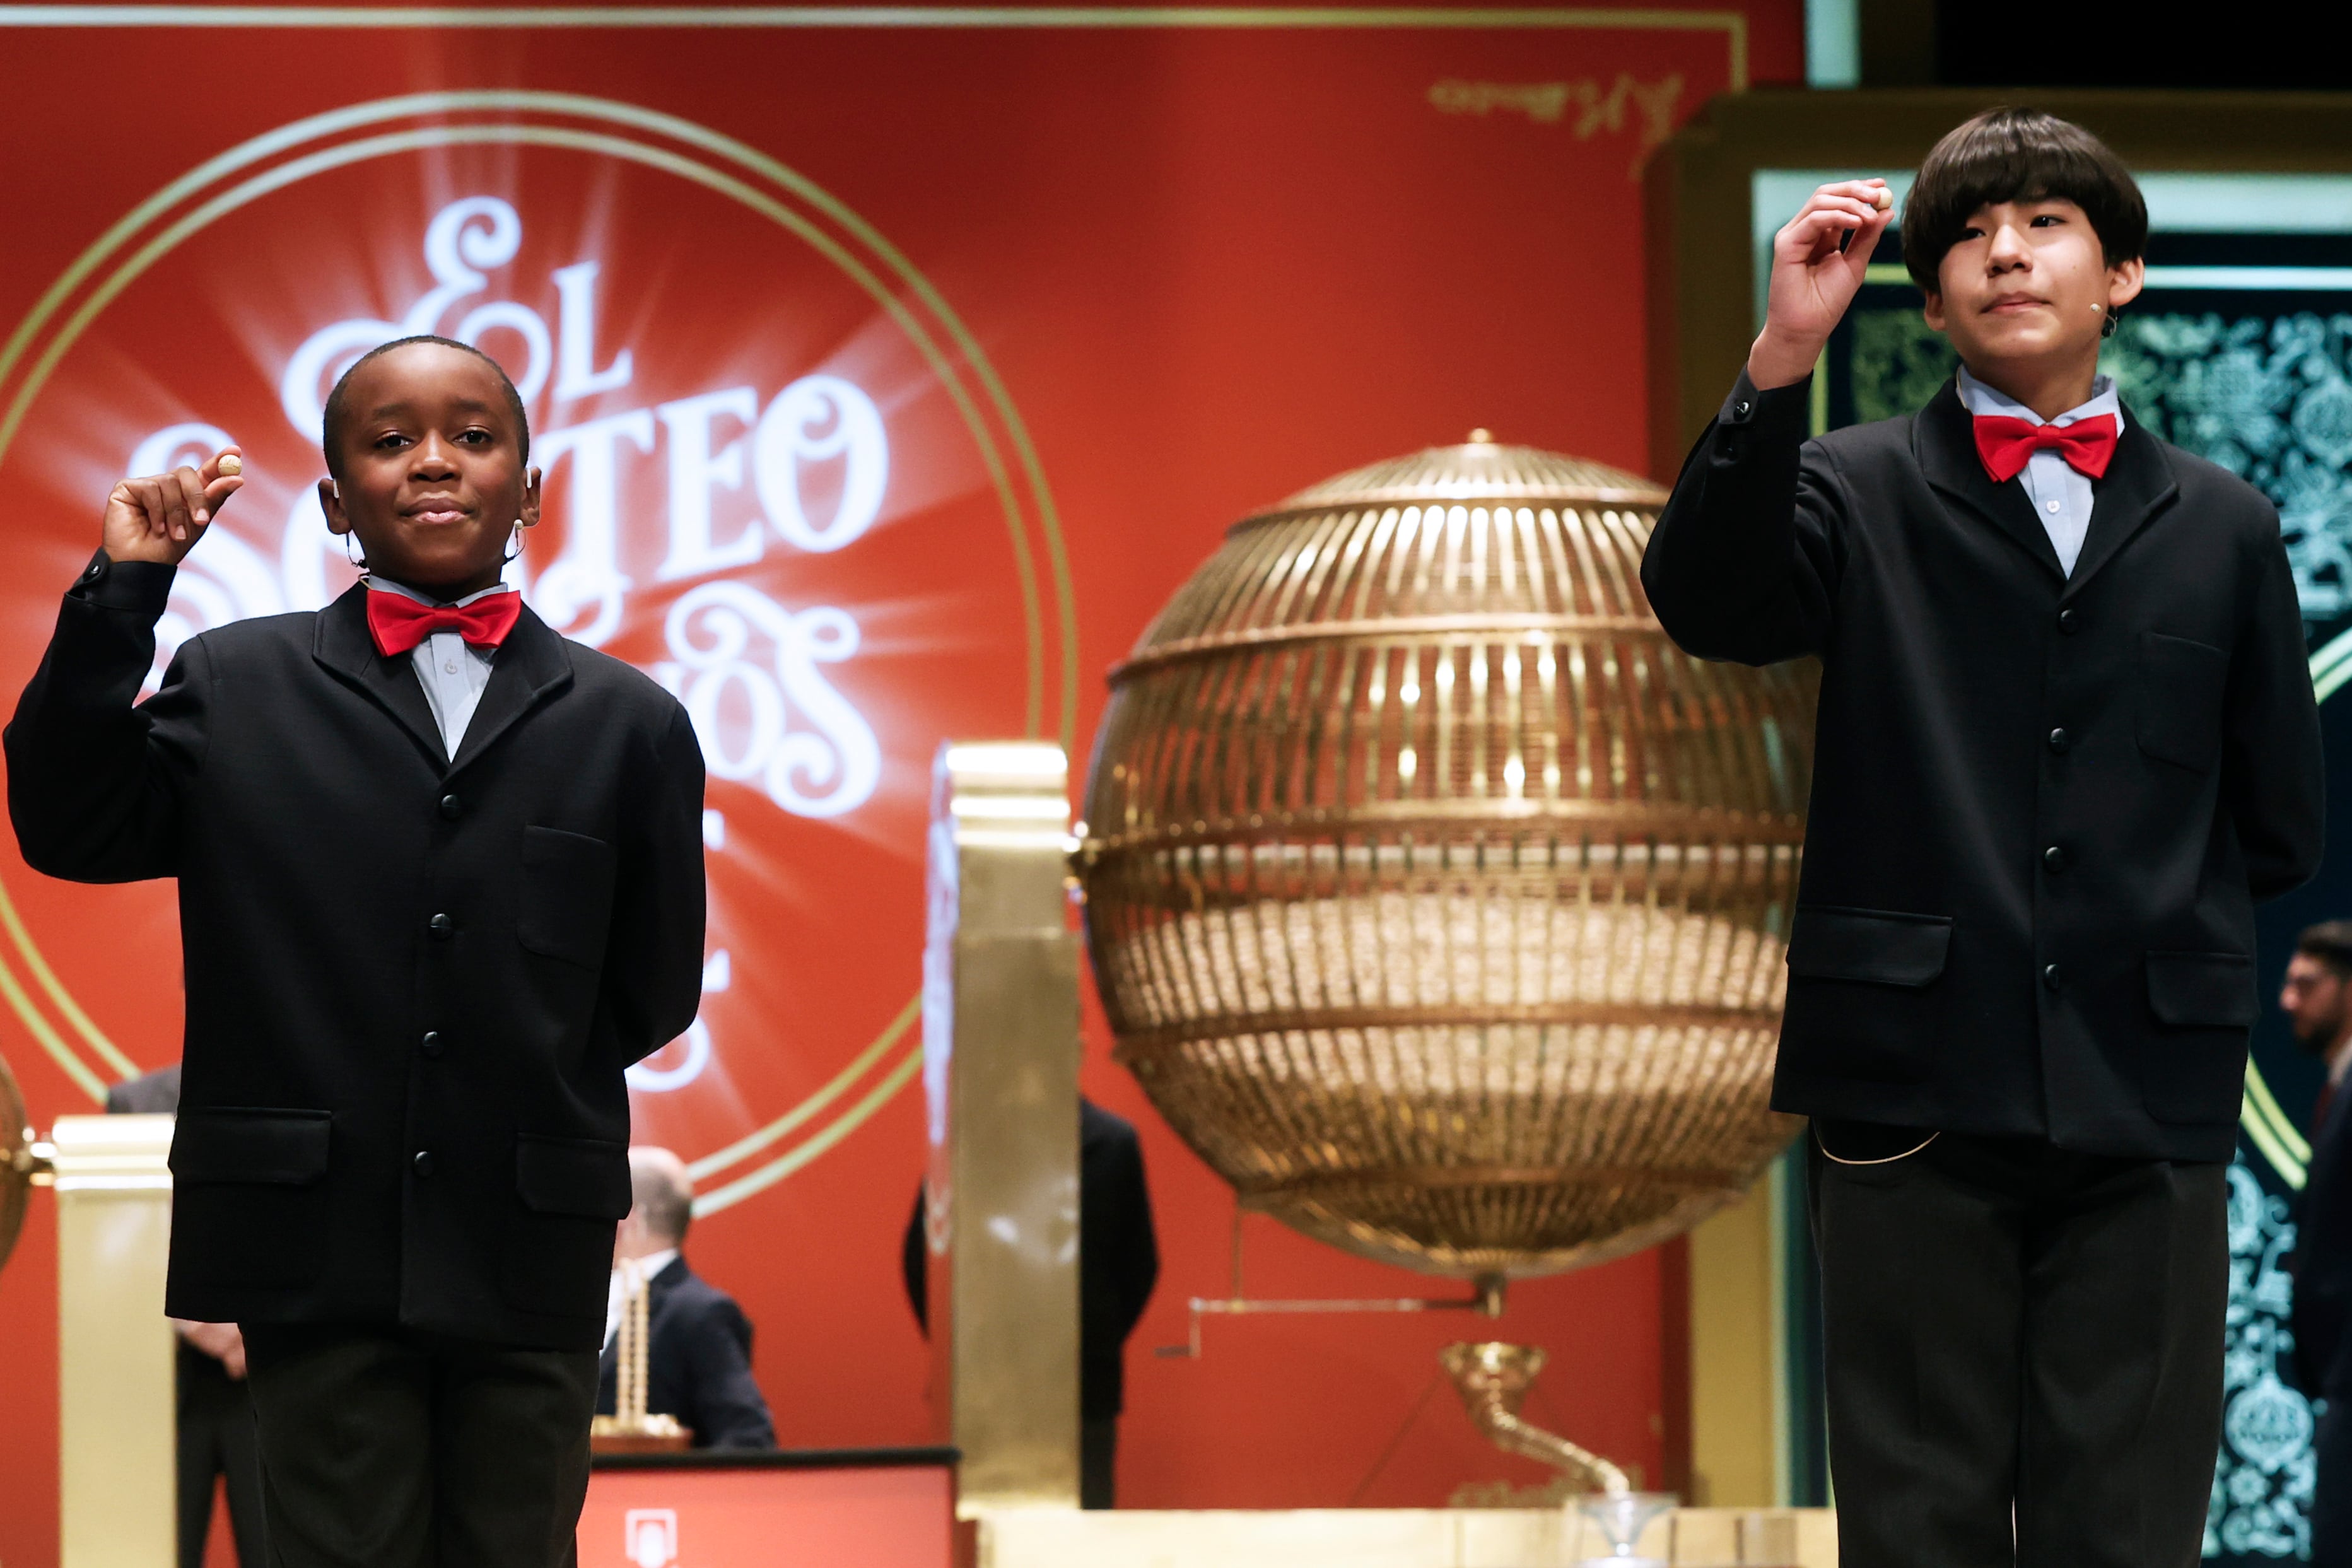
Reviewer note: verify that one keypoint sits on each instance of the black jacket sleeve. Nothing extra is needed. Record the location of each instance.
(2273, 778)
(96, 778)
(727, 1409)
(653, 983)
(1741, 565)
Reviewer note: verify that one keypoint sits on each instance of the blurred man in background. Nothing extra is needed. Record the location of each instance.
(2317, 1001)
(1118, 1263)
(698, 1364)
(215, 1433)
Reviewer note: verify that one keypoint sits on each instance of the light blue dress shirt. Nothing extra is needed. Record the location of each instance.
(452, 671)
(2061, 493)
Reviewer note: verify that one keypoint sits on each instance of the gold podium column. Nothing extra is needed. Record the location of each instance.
(115, 1425)
(1001, 1076)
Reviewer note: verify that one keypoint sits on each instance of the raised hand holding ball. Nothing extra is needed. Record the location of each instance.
(160, 518)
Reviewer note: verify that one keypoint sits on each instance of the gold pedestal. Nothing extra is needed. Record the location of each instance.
(116, 1433)
(1001, 1076)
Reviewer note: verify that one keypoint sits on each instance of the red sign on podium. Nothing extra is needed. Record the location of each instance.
(770, 1510)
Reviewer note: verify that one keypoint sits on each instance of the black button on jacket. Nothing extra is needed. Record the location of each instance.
(1953, 649)
(292, 778)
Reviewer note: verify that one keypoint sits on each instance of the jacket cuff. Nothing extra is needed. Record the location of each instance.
(140, 587)
(1784, 411)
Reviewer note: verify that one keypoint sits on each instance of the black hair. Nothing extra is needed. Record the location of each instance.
(2018, 155)
(337, 413)
(2330, 942)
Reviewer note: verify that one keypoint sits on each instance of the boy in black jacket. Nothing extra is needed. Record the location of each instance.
(2067, 739)
(440, 882)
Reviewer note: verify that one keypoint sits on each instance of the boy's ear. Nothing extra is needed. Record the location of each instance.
(331, 502)
(1931, 307)
(530, 516)
(2124, 280)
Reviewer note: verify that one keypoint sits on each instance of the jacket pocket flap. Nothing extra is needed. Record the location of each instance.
(586, 1177)
(1878, 946)
(567, 895)
(2183, 689)
(2215, 990)
(275, 1148)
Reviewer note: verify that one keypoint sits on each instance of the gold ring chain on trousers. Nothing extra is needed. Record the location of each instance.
(1887, 1160)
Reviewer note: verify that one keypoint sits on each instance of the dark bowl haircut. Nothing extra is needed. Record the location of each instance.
(2018, 155)
(337, 415)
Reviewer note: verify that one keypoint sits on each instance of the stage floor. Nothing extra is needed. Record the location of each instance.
(1396, 1537)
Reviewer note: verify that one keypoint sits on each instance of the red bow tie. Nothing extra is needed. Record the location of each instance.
(399, 623)
(2004, 444)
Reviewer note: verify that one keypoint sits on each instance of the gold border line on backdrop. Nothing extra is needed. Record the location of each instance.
(1733, 24)
(881, 272)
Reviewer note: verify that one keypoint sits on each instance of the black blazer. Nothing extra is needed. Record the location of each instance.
(1118, 1256)
(411, 984)
(698, 1367)
(2043, 806)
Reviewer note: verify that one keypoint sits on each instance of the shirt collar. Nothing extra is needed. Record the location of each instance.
(1983, 399)
(653, 1263)
(381, 585)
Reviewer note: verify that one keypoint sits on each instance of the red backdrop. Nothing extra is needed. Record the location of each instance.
(888, 378)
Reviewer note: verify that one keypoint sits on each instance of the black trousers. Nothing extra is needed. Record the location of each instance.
(2024, 1353)
(1099, 1461)
(216, 1438)
(389, 1448)
(2331, 1499)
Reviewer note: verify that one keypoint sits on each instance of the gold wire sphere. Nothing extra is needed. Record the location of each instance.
(1438, 900)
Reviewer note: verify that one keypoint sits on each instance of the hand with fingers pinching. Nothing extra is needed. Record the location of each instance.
(161, 518)
(1818, 260)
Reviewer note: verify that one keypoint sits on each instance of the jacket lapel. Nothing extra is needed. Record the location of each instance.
(343, 645)
(2327, 1132)
(1943, 440)
(665, 1285)
(2139, 485)
(531, 668)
